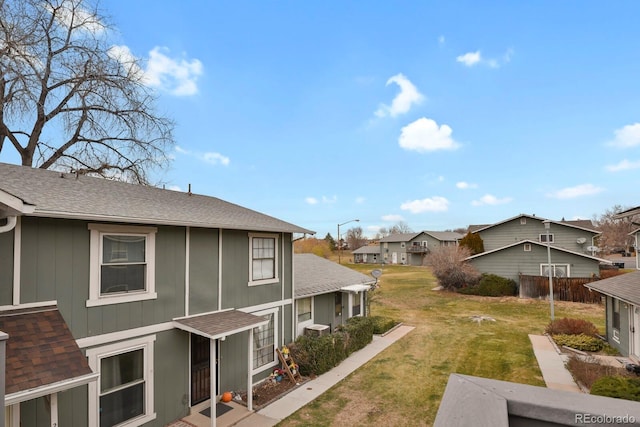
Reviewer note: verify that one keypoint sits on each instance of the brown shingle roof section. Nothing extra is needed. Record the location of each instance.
(40, 349)
(219, 324)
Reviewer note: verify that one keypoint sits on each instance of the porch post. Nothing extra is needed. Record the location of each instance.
(53, 403)
(3, 357)
(212, 380)
(249, 374)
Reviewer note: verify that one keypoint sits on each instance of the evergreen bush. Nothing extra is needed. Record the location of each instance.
(618, 387)
(491, 285)
(579, 342)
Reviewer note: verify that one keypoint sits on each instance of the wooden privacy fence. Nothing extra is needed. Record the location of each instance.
(564, 288)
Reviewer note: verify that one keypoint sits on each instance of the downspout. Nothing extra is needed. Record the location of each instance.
(10, 225)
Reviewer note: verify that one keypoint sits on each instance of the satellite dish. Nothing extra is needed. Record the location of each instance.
(376, 273)
(581, 240)
(593, 249)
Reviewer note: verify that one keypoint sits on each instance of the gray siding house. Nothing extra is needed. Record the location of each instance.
(369, 254)
(518, 246)
(161, 298)
(327, 294)
(622, 311)
(411, 248)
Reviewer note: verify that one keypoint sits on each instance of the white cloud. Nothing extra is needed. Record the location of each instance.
(331, 199)
(182, 150)
(402, 103)
(216, 159)
(425, 135)
(470, 59)
(623, 166)
(177, 77)
(627, 136)
(392, 218)
(311, 200)
(433, 204)
(360, 200)
(70, 13)
(441, 40)
(463, 185)
(489, 199)
(577, 191)
(174, 188)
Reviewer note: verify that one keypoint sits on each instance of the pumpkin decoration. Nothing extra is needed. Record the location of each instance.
(226, 396)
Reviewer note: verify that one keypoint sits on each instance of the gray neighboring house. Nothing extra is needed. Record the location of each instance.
(412, 248)
(518, 245)
(475, 401)
(622, 311)
(156, 299)
(369, 254)
(327, 294)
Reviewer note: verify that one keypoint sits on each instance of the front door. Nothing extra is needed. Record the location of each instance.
(200, 369)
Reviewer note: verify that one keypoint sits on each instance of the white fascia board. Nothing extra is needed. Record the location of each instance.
(34, 393)
(16, 206)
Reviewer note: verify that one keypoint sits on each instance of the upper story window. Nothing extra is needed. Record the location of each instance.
(543, 238)
(527, 247)
(523, 221)
(122, 264)
(263, 259)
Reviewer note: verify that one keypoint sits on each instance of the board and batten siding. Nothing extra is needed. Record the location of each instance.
(203, 270)
(6, 267)
(324, 309)
(512, 262)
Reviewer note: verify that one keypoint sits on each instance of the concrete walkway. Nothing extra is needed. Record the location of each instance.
(551, 362)
(310, 390)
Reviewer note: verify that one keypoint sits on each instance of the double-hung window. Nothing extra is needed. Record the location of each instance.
(264, 342)
(557, 270)
(123, 396)
(122, 264)
(543, 238)
(263, 259)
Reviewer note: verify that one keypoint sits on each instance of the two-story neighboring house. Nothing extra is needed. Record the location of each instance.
(411, 248)
(128, 304)
(518, 245)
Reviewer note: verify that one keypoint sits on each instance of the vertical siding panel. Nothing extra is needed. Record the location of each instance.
(6, 267)
(203, 271)
(171, 382)
(29, 260)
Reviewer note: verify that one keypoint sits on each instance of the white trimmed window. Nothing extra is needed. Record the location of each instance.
(523, 221)
(122, 264)
(123, 395)
(264, 341)
(557, 270)
(527, 247)
(543, 238)
(356, 303)
(304, 309)
(263, 259)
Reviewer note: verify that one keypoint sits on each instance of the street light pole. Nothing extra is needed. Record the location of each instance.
(340, 243)
(547, 226)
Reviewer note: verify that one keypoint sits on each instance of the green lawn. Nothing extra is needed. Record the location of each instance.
(403, 385)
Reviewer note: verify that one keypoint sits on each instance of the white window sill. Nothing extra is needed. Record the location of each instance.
(264, 282)
(265, 367)
(119, 299)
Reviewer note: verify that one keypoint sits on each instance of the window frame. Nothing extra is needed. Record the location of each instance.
(310, 312)
(553, 266)
(276, 247)
(543, 238)
(615, 314)
(527, 247)
(274, 312)
(97, 233)
(94, 358)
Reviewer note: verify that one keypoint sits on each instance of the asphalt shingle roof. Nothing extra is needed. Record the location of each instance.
(315, 275)
(65, 195)
(624, 286)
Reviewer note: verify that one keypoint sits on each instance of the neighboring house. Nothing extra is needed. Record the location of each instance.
(134, 301)
(489, 402)
(518, 246)
(622, 311)
(411, 248)
(367, 254)
(327, 293)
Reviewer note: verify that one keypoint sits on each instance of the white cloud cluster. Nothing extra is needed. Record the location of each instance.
(326, 200)
(577, 191)
(425, 135)
(626, 137)
(402, 103)
(392, 218)
(433, 204)
(175, 76)
(471, 59)
(623, 165)
(463, 185)
(211, 157)
(490, 199)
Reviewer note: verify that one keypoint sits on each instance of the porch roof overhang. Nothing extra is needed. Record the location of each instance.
(355, 288)
(42, 357)
(219, 324)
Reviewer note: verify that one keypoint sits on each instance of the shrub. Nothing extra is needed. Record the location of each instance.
(491, 285)
(382, 324)
(359, 331)
(571, 327)
(619, 387)
(473, 242)
(448, 265)
(318, 354)
(579, 342)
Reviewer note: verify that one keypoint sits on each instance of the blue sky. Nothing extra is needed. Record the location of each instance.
(438, 114)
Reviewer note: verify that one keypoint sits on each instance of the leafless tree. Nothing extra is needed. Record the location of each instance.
(71, 100)
(615, 232)
(355, 238)
(400, 227)
(450, 268)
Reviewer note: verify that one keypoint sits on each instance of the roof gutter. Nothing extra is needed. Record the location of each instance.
(10, 225)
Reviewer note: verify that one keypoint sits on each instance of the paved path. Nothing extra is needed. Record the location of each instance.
(551, 362)
(301, 396)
